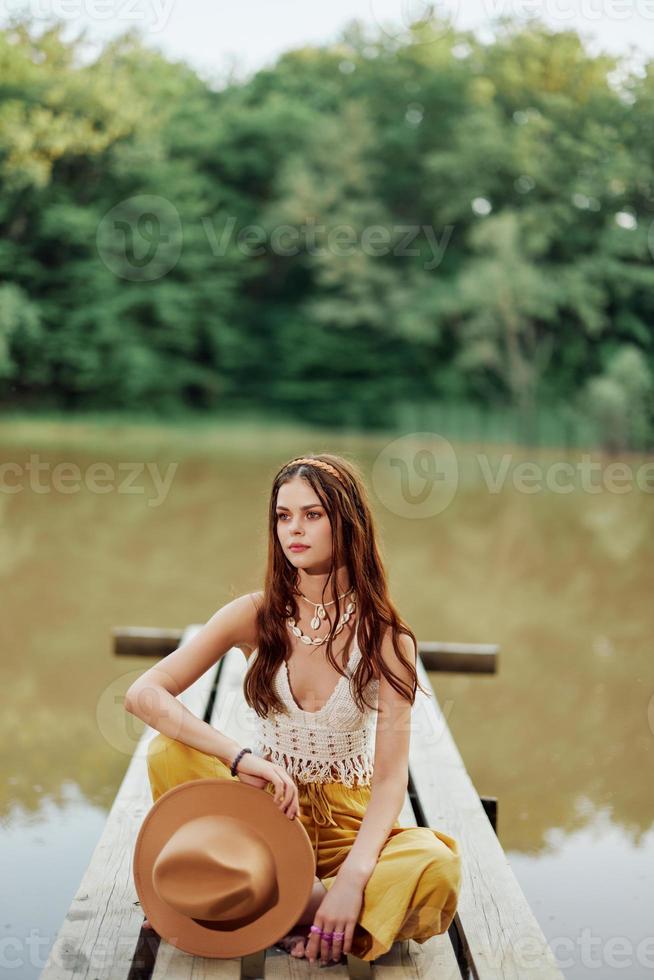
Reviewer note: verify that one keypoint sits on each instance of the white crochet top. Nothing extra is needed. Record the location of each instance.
(333, 744)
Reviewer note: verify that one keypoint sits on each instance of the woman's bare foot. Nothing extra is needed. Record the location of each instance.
(295, 941)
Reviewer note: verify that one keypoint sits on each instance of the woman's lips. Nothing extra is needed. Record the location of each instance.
(299, 547)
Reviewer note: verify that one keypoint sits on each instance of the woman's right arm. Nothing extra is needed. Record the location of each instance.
(154, 698)
(155, 705)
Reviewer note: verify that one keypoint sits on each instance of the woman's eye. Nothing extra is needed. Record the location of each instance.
(309, 514)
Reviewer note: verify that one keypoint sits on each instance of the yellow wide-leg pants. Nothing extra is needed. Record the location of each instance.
(414, 888)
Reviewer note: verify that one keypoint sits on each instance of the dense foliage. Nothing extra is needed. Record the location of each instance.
(360, 226)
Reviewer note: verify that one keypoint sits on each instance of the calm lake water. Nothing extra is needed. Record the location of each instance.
(554, 564)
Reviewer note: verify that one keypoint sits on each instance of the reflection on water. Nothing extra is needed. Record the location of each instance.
(563, 735)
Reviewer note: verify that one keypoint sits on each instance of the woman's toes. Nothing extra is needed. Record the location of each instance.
(292, 943)
(295, 942)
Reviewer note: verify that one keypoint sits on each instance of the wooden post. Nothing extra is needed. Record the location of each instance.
(436, 655)
(489, 804)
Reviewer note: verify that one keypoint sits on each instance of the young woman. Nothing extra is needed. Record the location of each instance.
(331, 678)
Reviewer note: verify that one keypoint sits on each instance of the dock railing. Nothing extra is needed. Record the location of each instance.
(494, 933)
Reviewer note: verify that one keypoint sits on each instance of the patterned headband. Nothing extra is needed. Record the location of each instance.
(317, 462)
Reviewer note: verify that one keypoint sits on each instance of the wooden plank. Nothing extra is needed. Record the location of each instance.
(99, 935)
(173, 963)
(496, 924)
(477, 658)
(433, 958)
(460, 658)
(103, 926)
(233, 716)
(145, 641)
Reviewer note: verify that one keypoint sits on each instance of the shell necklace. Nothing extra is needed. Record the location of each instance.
(319, 616)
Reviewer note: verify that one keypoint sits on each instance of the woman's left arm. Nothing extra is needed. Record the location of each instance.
(390, 768)
(342, 903)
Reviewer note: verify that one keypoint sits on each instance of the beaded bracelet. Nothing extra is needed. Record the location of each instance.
(237, 760)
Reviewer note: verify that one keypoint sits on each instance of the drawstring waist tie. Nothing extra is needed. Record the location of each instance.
(321, 810)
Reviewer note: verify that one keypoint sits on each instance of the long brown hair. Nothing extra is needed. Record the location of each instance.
(354, 544)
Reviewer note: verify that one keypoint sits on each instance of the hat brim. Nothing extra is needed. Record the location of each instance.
(289, 843)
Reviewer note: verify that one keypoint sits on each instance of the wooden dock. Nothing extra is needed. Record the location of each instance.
(494, 933)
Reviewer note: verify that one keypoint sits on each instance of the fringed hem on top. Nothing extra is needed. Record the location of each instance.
(352, 771)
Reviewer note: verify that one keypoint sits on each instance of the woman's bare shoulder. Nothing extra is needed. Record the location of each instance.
(251, 602)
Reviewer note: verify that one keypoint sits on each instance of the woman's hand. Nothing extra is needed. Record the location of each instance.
(338, 912)
(258, 772)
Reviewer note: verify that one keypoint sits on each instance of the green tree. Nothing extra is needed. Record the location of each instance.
(619, 401)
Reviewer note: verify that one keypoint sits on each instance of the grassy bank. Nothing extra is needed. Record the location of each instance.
(269, 434)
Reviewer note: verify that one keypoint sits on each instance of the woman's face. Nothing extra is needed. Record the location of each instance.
(302, 519)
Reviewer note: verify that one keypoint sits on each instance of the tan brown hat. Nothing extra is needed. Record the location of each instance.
(220, 870)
